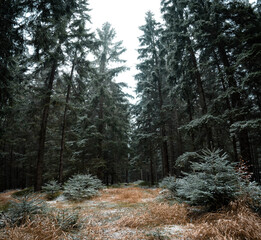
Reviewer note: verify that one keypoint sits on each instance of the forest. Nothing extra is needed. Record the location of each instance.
(195, 128)
(62, 112)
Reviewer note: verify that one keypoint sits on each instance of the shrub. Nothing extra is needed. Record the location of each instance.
(81, 187)
(24, 208)
(4, 207)
(213, 183)
(23, 192)
(52, 189)
(169, 183)
(251, 192)
(184, 161)
(141, 183)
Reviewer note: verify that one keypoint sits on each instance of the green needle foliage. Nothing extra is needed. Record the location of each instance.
(52, 189)
(213, 181)
(80, 187)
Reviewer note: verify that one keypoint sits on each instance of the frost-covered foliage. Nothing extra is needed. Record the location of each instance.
(249, 125)
(81, 187)
(213, 182)
(252, 191)
(52, 189)
(169, 183)
(25, 207)
(141, 183)
(206, 120)
(184, 160)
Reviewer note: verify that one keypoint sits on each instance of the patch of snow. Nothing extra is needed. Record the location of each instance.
(61, 198)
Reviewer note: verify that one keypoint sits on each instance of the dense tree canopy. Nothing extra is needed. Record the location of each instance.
(62, 112)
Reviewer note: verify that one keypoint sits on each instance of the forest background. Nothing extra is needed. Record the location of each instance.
(62, 112)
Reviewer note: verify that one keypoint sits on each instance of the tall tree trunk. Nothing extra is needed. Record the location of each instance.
(165, 155)
(245, 148)
(234, 142)
(201, 92)
(64, 124)
(42, 134)
(190, 119)
(151, 165)
(101, 105)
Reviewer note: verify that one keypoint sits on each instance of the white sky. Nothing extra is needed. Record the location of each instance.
(125, 16)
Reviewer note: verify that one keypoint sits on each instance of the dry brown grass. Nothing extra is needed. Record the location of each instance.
(110, 216)
(113, 233)
(156, 215)
(5, 197)
(41, 227)
(236, 223)
(127, 195)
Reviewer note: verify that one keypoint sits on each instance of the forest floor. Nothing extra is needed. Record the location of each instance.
(128, 213)
(133, 213)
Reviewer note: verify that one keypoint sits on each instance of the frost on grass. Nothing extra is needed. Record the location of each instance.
(134, 213)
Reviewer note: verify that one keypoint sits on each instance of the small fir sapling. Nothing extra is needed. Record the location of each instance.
(52, 189)
(80, 187)
(213, 182)
(169, 183)
(25, 207)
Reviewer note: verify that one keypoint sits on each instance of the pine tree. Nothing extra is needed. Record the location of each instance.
(151, 113)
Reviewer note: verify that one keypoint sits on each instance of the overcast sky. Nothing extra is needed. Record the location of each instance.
(125, 16)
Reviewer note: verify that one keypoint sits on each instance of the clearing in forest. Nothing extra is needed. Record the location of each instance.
(128, 213)
(134, 213)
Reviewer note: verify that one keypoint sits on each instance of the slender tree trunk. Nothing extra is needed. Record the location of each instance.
(64, 124)
(11, 168)
(172, 157)
(201, 92)
(101, 106)
(190, 119)
(127, 175)
(245, 148)
(151, 165)
(42, 134)
(234, 142)
(165, 155)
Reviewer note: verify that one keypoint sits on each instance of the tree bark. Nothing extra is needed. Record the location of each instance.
(201, 92)
(234, 142)
(64, 124)
(42, 134)
(245, 148)
(151, 166)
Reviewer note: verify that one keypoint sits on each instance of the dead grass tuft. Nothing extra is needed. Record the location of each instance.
(5, 197)
(156, 215)
(39, 228)
(127, 195)
(237, 222)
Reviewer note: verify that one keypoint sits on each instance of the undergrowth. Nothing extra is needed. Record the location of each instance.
(41, 227)
(237, 222)
(109, 216)
(156, 215)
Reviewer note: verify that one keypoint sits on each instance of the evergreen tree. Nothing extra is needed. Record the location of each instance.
(150, 86)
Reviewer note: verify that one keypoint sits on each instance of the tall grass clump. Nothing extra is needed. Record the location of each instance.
(237, 221)
(156, 215)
